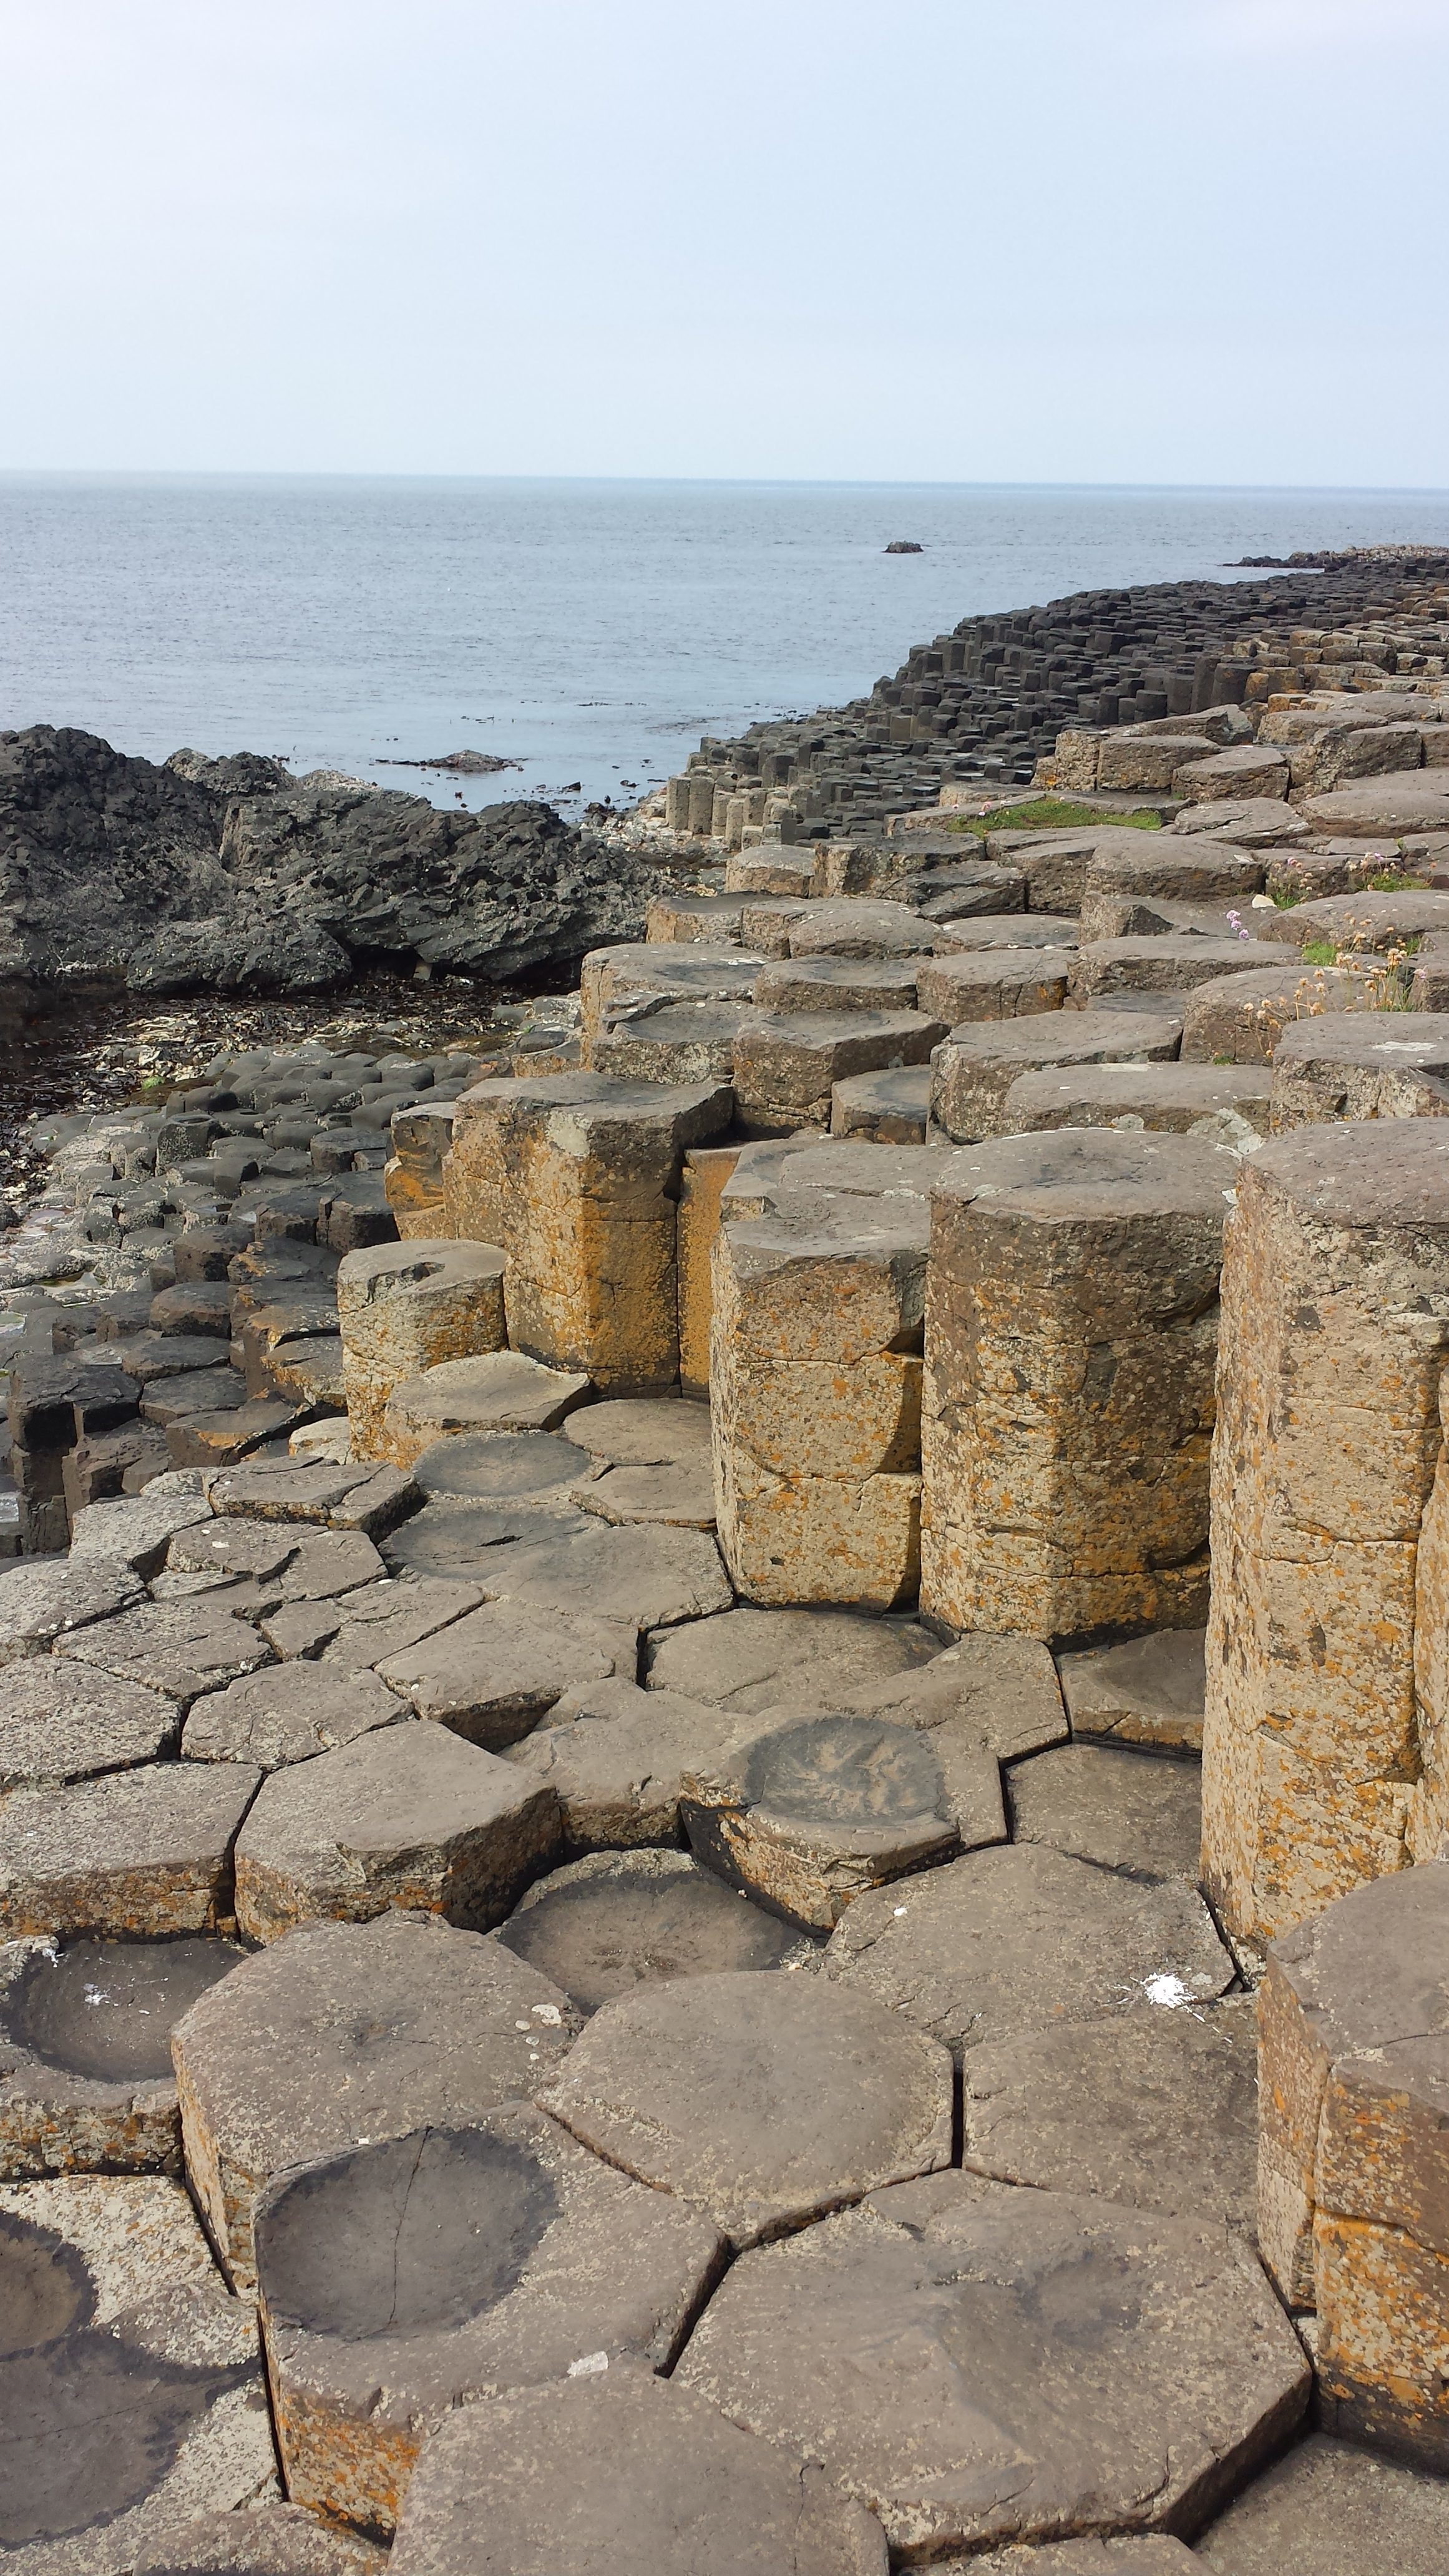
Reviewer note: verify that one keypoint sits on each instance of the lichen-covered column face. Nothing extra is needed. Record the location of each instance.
(1334, 1330)
(403, 1308)
(1071, 1327)
(1353, 2167)
(815, 1380)
(576, 1175)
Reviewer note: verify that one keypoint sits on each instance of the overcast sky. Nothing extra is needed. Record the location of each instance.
(1175, 241)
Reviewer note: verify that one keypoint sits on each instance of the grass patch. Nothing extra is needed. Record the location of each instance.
(1288, 897)
(1388, 883)
(1319, 952)
(1050, 814)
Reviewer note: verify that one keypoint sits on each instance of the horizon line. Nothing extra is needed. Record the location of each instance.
(689, 482)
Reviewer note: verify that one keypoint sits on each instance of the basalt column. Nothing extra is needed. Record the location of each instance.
(577, 1176)
(1071, 1330)
(1335, 1326)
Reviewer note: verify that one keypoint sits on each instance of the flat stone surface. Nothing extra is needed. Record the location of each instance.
(44, 1599)
(364, 1628)
(1151, 2555)
(673, 1497)
(1149, 1691)
(137, 1532)
(617, 2468)
(1406, 800)
(365, 1497)
(649, 1578)
(287, 1714)
(808, 1811)
(134, 1854)
(1133, 1811)
(399, 2277)
(492, 1676)
(1025, 1939)
(147, 1356)
(59, 1723)
(1001, 1690)
(1327, 2509)
(130, 2386)
(614, 1921)
(180, 1648)
(755, 2097)
(643, 1431)
(503, 1391)
(407, 1817)
(1152, 2106)
(1227, 1103)
(980, 2364)
(501, 1466)
(888, 1108)
(616, 1756)
(456, 1539)
(1252, 822)
(269, 2540)
(974, 1071)
(748, 1660)
(346, 2032)
(85, 2051)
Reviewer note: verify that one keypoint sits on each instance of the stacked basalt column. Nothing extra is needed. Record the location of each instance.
(406, 1307)
(1319, 1771)
(1070, 1339)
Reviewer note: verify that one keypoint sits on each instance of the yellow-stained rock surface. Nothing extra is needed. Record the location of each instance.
(1335, 1321)
(707, 1171)
(403, 1308)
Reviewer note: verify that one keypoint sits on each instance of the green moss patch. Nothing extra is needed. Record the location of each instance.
(1050, 814)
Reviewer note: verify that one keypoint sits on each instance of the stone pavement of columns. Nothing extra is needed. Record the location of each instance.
(589, 1977)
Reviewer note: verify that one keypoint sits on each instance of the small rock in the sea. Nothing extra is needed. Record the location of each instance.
(904, 546)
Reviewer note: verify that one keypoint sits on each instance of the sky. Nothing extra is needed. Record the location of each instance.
(1120, 241)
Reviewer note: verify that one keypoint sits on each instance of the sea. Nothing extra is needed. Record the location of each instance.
(588, 633)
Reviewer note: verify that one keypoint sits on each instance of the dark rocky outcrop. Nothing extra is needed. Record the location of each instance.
(233, 876)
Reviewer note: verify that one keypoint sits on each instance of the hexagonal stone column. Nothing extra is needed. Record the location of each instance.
(568, 2473)
(1364, 1064)
(400, 2277)
(978, 2364)
(1071, 1333)
(131, 1855)
(86, 2080)
(409, 1817)
(1353, 2166)
(765, 2100)
(1335, 1322)
(577, 1177)
(403, 1307)
(616, 1920)
(973, 1071)
(130, 2387)
(350, 2031)
(815, 1374)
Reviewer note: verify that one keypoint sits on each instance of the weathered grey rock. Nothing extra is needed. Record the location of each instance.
(575, 2473)
(453, 1540)
(1147, 1691)
(756, 2097)
(980, 2364)
(268, 2540)
(615, 1757)
(1150, 2555)
(677, 1497)
(1250, 822)
(748, 1660)
(787, 1062)
(970, 985)
(361, 1629)
(1134, 1811)
(363, 1497)
(42, 1602)
(1327, 2509)
(135, 1533)
(287, 1714)
(132, 1855)
(856, 927)
(490, 1677)
(808, 1811)
(647, 1578)
(408, 1817)
(130, 2388)
(883, 1108)
(502, 1391)
(401, 2278)
(1365, 923)
(1023, 1939)
(259, 1549)
(179, 1648)
(1001, 1691)
(58, 1724)
(643, 1432)
(1370, 1065)
(1156, 2106)
(1406, 800)
(614, 1921)
(1228, 1104)
(85, 2051)
(1160, 963)
(1238, 1019)
(973, 1072)
(1196, 871)
(508, 1468)
(347, 2032)
(838, 984)
(680, 1044)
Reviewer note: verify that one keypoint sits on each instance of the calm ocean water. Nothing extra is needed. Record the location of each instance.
(589, 631)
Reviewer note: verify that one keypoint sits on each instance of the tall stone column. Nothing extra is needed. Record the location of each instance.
(1335, 1323)
(1071, 1327)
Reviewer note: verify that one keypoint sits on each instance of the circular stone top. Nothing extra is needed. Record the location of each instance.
(623, 1919)
(413, 2236)
(1091, 1173)
(45, 2289)
(845, 1770)
(499, 1466)
(643, 1431)
(105, 2009)
(1380, 1171)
